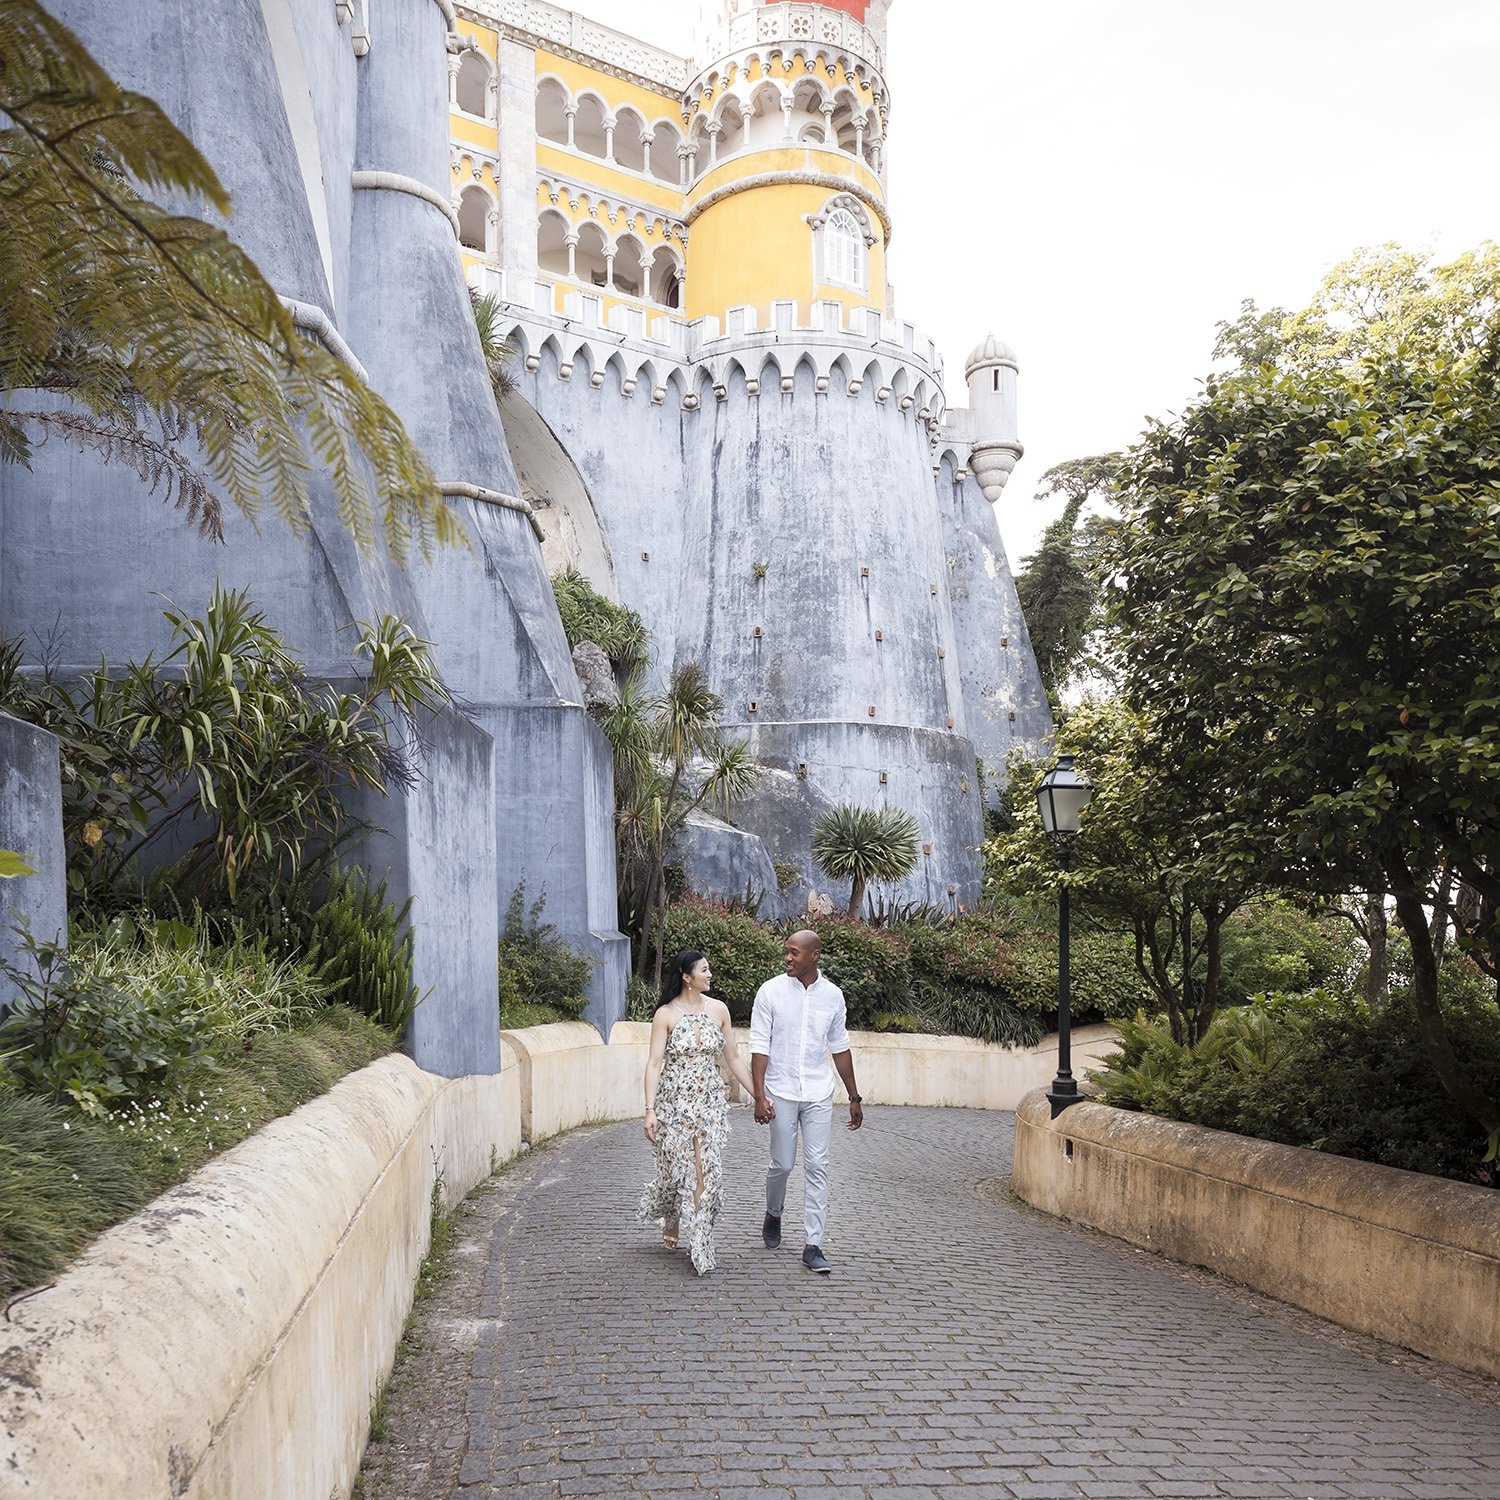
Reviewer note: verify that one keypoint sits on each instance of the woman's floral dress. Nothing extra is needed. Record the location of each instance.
(691, 1106)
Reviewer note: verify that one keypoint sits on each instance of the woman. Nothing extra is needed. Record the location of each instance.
(687, 1113)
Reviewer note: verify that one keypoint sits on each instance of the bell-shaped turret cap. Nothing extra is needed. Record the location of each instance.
(992, 351)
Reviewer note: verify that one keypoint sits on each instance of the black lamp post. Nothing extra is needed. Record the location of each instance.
(1061, 798)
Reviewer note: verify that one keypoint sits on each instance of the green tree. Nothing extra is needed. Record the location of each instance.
(861, 844)
(172, 353)
(1150, 858)
(499, 352)
(1309, 605)
(1059, 584)
(671, 758)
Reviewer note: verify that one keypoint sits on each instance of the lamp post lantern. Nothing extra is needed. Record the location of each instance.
(1061, 799)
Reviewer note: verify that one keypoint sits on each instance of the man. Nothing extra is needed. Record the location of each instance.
(796, 1029)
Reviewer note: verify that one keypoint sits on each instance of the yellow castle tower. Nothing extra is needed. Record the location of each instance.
(599, 163)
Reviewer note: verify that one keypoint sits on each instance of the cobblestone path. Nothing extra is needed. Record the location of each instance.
(965, 1348)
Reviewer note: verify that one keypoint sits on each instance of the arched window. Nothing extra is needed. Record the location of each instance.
(588, 128)
(666, 278)
(474, 84)
(473, 219)
(630, 148)
(552, 244)
(664, 162)
(552, 111)
(843, 249)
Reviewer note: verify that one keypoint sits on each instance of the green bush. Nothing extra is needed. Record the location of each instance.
(1105, 982)
(1319, 1071)
(360, 947)
(870, 965)
(742, 953)
(235, 988)
(538, 967)
(100, 1039)
(588, 616)
(961, 970)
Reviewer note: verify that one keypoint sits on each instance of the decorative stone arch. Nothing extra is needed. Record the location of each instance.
(473, 89)
(848, 121)
(667, 274)
(729, 119)
(554, 110)
(630, 138)
(841, 379)
(478, 219)
(768, 109)
(874, 381)
(553, 252)
(591, 255)
(630, 264)
(591, 125)
(805, 376)
(664, 154)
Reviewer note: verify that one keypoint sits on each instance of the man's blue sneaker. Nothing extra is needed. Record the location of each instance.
(814, 1259)
(770, 1232)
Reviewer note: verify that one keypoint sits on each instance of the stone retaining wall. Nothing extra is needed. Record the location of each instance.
(1409, 1258)
(227, 1342)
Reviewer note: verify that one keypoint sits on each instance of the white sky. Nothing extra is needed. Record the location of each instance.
(1116, 175)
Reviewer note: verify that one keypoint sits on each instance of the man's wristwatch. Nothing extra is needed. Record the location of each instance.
(856, 1098)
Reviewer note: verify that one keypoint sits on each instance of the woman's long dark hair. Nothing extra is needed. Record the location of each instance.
(674, 975)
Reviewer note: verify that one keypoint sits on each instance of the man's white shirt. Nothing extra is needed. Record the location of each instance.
(797, 1028)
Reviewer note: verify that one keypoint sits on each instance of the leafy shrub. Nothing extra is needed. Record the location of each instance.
(98, 1039)
(235, 988)
(742, 953)
(588, 616)
(640, 1000)
(960, 976)
(1105, 982)
(870, 965)
(537, 964)
(360, 947)
(1319, 1071)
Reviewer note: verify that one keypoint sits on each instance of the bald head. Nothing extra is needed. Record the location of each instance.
(802, 950)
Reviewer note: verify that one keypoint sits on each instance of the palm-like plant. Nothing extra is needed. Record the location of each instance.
(174, 354)
(670, 759)
(499, 352)
(861, 844)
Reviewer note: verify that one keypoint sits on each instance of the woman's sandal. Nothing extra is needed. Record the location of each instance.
(669, 1237)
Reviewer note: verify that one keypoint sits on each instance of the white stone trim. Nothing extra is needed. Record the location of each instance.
(394, 182)
(449, 14)
(582, 40)
(797, 178)
(492, 497)
(311, 319)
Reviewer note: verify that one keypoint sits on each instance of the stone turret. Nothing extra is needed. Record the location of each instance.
(991, 373)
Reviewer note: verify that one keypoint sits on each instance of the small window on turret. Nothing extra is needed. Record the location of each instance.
(843, 249)
(997, 379)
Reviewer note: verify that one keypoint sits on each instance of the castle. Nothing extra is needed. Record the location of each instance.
(717, 420)
(721, 422)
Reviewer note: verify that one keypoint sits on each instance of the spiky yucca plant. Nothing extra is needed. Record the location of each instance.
(861, 844)
(174, 355)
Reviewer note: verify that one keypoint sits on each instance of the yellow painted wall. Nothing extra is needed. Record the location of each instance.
(482, 133)
(589, 171)
(757, 248)
(786, 159)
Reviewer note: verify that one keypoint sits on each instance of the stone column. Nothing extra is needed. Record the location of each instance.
(515, 168)
(31, 825)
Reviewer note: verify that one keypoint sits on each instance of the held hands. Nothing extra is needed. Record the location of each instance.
(765, 1111)
(651, 1126)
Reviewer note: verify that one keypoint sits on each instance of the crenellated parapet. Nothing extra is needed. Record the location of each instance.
(855, 352)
